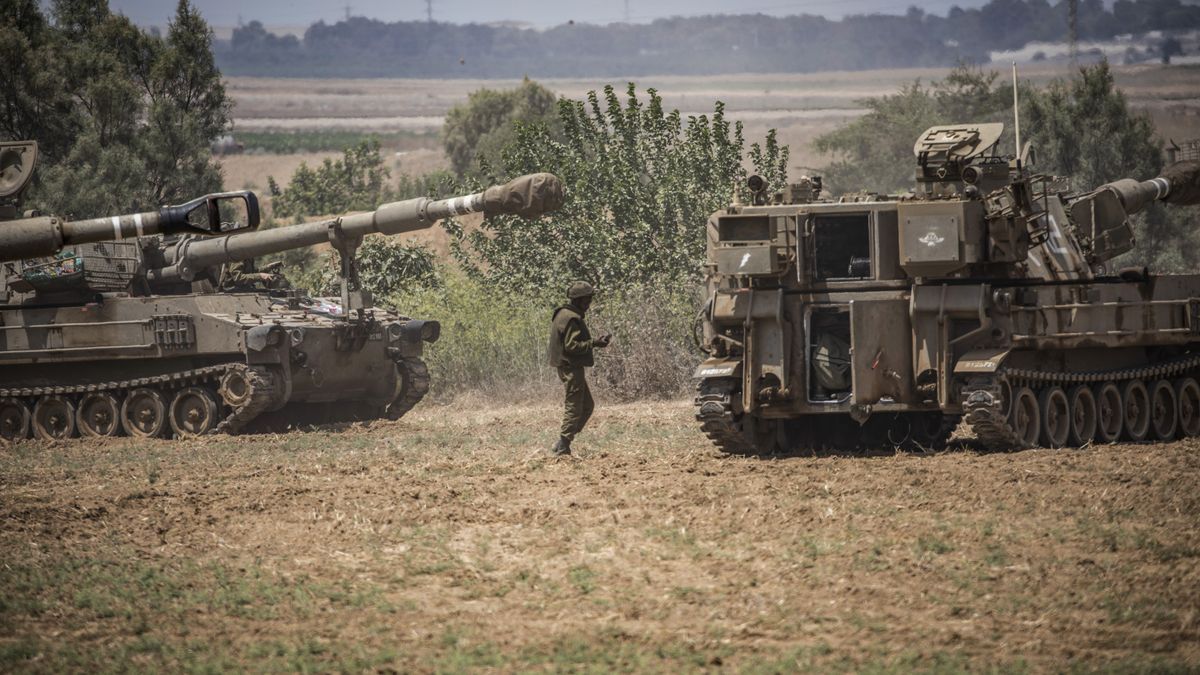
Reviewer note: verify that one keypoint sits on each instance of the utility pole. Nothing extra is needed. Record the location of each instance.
(1073, 30)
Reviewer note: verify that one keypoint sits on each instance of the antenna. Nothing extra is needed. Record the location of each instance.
(429, 11)
(348, 9)
(626, 11)
(1017, 114)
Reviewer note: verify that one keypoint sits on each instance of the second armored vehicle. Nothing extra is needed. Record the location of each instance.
(127, 336)
(987, 295)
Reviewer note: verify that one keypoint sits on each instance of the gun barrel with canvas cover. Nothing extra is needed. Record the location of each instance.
(528, 196)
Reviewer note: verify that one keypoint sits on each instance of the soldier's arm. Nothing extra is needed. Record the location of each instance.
(236, 274)
(573, 342)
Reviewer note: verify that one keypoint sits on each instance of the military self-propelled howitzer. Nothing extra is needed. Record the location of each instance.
(129, 334)
(985, 295)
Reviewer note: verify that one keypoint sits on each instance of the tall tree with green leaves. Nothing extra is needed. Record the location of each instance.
(641, 182)
(356, 182)
(478, 131)
(875, 151)
(123, 118)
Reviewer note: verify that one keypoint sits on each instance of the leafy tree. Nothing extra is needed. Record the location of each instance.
(385, 268)
(482, 127)
(123, 119)
(642, 182)
(875, 151)
(356, 182)
(1084, 130)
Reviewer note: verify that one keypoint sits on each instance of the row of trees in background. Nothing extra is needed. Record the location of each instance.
(123, 118)
(360, 47)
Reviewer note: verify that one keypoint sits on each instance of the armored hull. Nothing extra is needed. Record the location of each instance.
(189, 364)
(984, 297)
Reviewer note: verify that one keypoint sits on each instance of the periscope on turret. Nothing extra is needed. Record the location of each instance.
(989, 294)
(122, 329)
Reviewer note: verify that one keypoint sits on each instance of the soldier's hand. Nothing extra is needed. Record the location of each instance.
(263, 276)
(604, 340)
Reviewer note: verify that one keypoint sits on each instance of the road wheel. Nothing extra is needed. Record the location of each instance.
(1164, 412)
(53, 418)
(98, 415)
(193, 412)
(236, 389)
(1187, 394)
(1024, 418)
(1110, 413)
(14, 419)
(144, 413)
(1056, 417)
(1137, 410)
(1083, 416)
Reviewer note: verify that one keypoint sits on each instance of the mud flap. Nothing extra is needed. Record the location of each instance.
(718, 367)
(982, 361)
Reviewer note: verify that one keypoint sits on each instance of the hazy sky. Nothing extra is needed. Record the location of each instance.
(536, 12)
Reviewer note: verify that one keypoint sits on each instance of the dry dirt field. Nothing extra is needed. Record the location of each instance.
(444, 542)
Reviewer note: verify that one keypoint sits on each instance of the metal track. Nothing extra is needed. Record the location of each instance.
(262, 389)
(714, 410)
(985, 399)
(415, 376)
(262, 393)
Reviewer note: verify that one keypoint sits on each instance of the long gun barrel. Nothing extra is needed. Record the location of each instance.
(47, 235)
(528, 196)
(1179, 184)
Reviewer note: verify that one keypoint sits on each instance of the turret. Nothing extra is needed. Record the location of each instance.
(977, 213)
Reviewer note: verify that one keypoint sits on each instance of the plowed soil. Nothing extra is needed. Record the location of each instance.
(446, 542)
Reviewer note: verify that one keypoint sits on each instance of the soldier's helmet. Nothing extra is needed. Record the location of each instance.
(580, 289)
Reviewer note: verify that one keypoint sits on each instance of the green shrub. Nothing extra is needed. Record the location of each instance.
(495, 342)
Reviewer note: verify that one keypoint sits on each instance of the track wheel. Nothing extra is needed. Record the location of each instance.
(1024, 417)
(193, 412)
(14, 419)
(1137, 410)
(1110, 413)
(53, 418)
(1083, 415)
(236, 389)
(1187, 394)
(1055, 412)
(1164, 412)
(98, 415)
(144, 413)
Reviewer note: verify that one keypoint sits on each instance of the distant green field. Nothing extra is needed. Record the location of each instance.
(290, 142)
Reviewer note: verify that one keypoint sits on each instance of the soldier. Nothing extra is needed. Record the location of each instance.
(242, 276)
(571, 351)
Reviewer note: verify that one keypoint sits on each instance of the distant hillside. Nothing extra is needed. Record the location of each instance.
(361, 47)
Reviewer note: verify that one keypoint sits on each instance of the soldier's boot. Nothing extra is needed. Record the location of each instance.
(563, 447)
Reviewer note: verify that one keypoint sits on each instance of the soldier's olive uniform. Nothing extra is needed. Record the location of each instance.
(240, 276)
(571, 351)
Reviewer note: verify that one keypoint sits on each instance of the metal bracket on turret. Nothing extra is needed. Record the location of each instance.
(353, 301)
